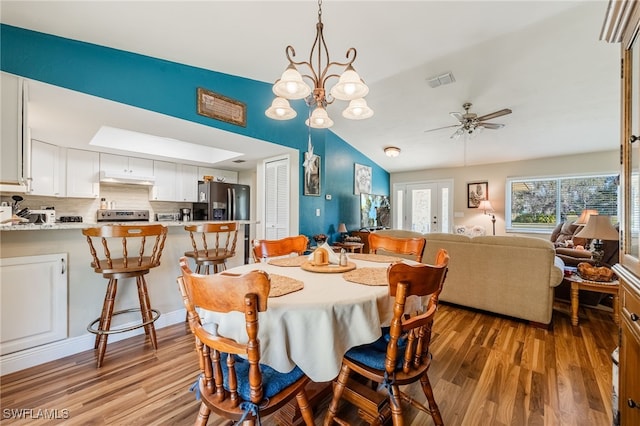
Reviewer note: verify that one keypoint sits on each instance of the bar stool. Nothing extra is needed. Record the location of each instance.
(118, 264)
(218, 245)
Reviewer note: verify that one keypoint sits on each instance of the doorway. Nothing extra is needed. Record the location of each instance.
(423, 206)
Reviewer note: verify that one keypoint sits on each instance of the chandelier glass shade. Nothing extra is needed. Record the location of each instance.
(319, 70)
(280, 110)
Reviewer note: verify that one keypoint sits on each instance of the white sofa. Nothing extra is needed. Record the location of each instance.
(507, 275)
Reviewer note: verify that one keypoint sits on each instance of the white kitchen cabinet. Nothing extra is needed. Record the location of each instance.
(12, 129)
(187, 183)
(46, 176)
(82, 173)
(33, 298)
(123, 165)
(228, 175)
(165, 187)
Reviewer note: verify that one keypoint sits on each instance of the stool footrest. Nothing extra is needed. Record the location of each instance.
(155, 316)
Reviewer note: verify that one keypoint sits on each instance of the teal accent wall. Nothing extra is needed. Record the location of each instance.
(170, 88)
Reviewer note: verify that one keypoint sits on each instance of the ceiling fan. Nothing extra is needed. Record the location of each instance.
(470, 124)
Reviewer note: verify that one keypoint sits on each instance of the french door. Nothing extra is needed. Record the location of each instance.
(423, 206)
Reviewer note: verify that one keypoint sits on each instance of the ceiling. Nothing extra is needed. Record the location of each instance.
(541, 59)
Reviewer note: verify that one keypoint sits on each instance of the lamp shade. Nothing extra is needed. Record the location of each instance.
(319, 119)
(290, 85)
(280, 110)
(342, 228)
(599, 227)
(584, 216)
(349, 86)
(357, 110)
(485, 205)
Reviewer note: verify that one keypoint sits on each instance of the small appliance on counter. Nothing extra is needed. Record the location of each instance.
(185, 215)
(167, 217)
(70, 219)
(42, 216)
(118, 215)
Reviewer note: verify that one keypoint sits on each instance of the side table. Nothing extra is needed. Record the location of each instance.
(351, 247)
(578, 284)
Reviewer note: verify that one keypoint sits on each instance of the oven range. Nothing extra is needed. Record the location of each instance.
(118, 215)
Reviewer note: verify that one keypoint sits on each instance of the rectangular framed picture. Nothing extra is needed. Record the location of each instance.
(362, 179)
(476, 192)
(312, 177)
(218, 107)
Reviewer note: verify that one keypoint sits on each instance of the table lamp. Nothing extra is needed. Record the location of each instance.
(486, 206)
(342, 230)
(584, 217)
(598, 228)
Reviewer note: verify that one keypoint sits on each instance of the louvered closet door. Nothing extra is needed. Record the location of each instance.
(276, 199)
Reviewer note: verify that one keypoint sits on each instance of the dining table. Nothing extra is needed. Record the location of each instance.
(319, 314)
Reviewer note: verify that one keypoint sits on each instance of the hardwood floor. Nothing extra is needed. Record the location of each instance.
(487, 370)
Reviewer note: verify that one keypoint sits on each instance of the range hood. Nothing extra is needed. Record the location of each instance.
(125, 178)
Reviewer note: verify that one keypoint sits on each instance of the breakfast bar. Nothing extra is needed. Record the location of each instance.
(84, 288)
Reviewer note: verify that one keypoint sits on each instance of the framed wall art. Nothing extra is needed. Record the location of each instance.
(476, 192)
(362, 179)
(312, 176)
(218, 107)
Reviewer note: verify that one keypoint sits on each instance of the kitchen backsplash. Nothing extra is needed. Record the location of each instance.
(131, 197)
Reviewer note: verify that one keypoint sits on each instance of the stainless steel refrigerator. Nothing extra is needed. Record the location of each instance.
(222, 201)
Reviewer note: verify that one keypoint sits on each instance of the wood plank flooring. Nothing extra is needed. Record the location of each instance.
(487, 370)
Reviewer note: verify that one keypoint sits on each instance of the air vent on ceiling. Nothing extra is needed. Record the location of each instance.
(239, 161)
(441, 79)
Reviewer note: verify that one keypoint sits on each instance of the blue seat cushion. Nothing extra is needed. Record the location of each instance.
(273, 382)
(373, 354)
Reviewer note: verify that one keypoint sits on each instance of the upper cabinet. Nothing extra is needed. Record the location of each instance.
(121, 165)
(166, 181)
(83, 173)
(187, 183)
(47, 166)
(622, 25)
(13, 90)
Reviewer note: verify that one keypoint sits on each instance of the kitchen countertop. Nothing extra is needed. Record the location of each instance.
(83, 225)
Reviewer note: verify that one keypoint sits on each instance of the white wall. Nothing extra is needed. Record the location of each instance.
(496, 175)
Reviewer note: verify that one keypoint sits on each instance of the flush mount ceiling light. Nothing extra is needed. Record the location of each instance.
(392, 151)
(291, 85)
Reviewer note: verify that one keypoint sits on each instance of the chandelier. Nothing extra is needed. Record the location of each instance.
(291, 85)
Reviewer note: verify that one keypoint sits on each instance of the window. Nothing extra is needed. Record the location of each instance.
(539, 204)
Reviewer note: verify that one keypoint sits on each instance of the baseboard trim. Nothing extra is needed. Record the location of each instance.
(10, 363)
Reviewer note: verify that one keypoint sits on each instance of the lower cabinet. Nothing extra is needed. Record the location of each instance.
(629, 398)
(33, 298)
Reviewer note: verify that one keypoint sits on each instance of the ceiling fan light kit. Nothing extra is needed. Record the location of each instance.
(392, 151)
(291, 84)
(470, 124)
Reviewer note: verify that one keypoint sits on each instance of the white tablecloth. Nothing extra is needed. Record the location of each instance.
(314, 327)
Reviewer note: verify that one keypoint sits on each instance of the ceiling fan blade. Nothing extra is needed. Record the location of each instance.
(495, 114)
(440, 128)
(457, 116)
(491, 125)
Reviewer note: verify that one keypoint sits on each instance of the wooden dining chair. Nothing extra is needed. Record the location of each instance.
(128, 251)
(233, 383)
(400, 357)
(408, 247)
(282, 247)
(213, 244)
